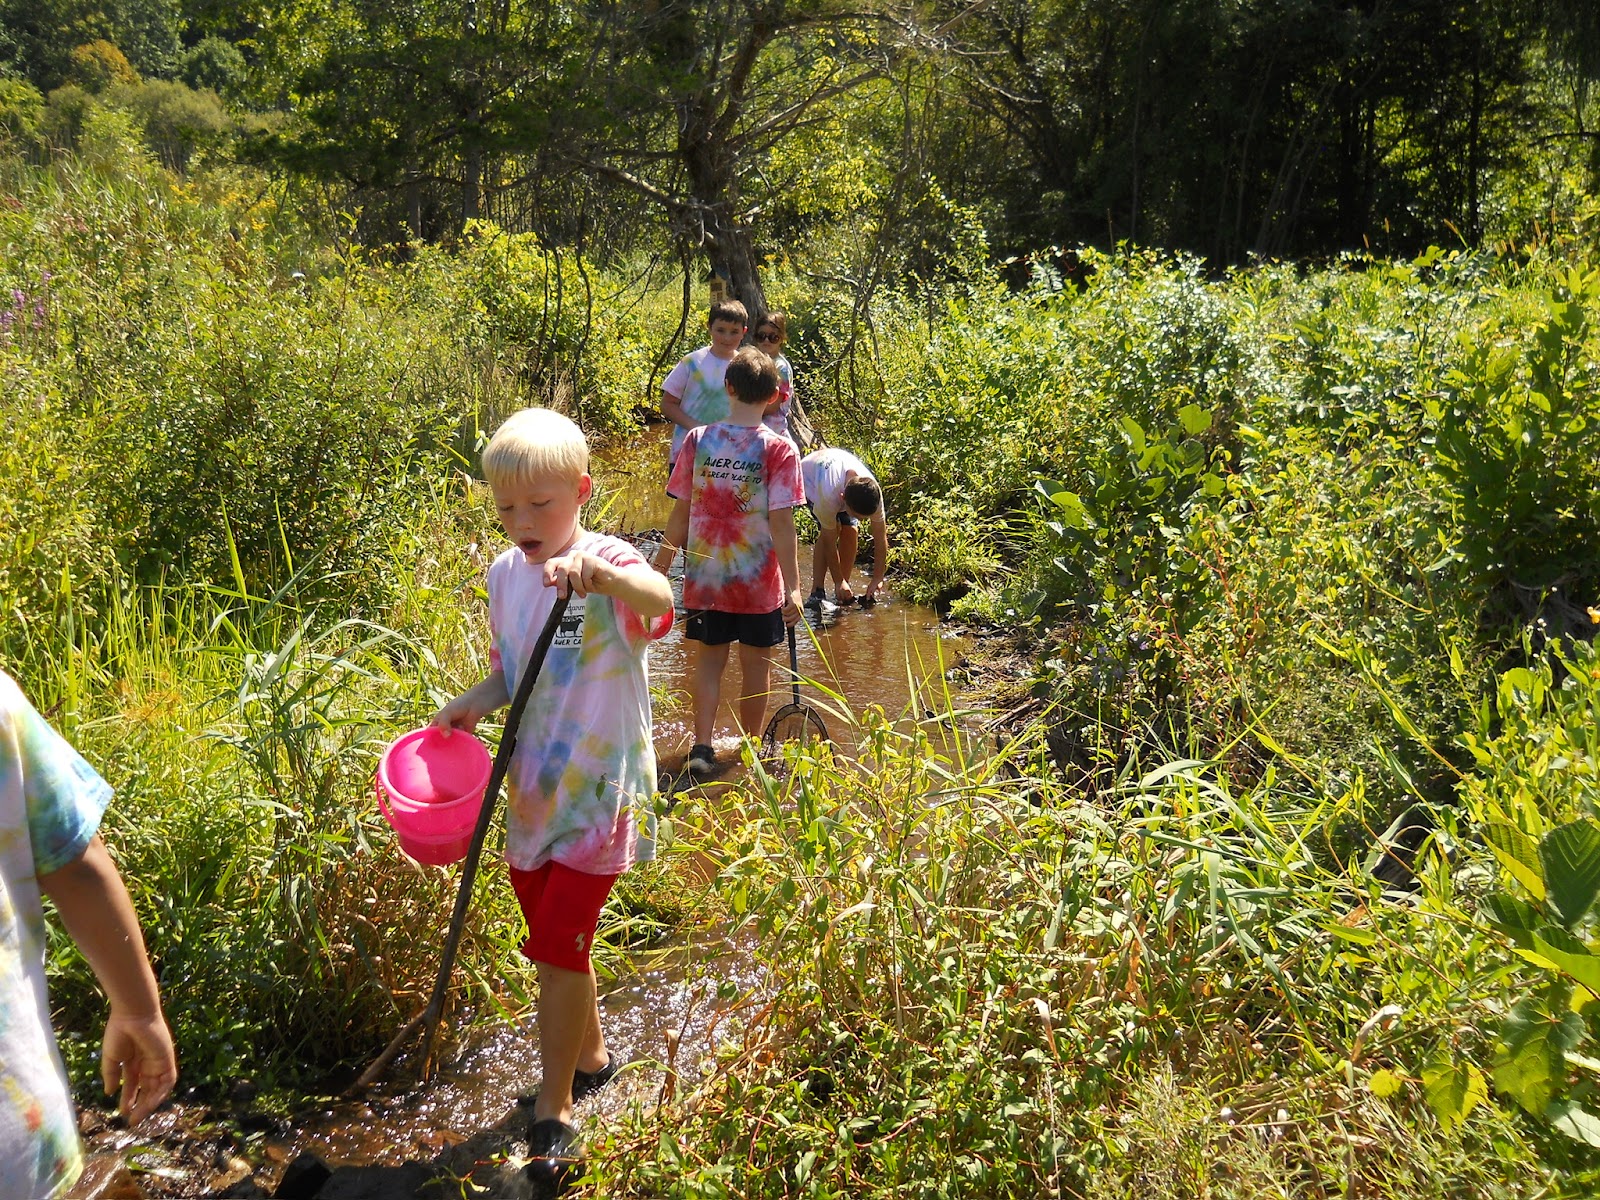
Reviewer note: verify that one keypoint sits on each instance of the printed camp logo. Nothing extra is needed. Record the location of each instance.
(570, 632)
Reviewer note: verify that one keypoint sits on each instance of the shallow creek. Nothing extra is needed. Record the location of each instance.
(663, 1011)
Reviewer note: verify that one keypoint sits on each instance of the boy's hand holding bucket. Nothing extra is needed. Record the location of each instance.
(431, 784)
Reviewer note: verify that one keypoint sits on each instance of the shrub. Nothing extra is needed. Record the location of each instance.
(177, 121)
(66, 111)
(213, 64)
(21, 111)
(99, 66)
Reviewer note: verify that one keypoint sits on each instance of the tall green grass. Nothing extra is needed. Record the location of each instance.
(979, 984)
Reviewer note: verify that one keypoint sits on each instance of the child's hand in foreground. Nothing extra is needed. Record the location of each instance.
(791, 606)
(579, 574)
(138, 1057)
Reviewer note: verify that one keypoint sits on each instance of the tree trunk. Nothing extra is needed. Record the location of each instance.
(714, 186)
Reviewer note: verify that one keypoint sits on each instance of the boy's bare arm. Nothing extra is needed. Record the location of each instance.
(880, 551)
(474, 704)
(780, 522)
(672, 410)
(675, 536)
(640, 587)
(137, 1053)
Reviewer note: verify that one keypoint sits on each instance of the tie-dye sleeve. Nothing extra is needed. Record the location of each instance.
(638, 630)
(784, 487)
(64, 795)
(681, 483)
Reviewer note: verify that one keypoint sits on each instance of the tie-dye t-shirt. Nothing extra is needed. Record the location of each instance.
(51, 802)
(734, 475)
(582, 781)
(698, 383)
(778, 419)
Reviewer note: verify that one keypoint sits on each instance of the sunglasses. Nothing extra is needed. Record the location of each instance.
(768, 337)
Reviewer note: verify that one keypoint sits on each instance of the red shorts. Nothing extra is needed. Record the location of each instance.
(562, 908)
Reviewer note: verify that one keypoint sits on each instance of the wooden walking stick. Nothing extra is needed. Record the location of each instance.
(428, 1018)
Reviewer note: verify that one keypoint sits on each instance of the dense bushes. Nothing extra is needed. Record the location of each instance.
(198, 390)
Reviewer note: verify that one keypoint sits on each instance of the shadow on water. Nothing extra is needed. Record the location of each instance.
(668, 1016)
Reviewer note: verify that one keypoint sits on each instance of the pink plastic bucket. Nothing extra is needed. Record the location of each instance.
(430, 787)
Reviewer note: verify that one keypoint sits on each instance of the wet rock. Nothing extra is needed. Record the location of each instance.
(230, 1172)
(243, 1091)
(107, 1179)
(303, 1178)
(90, 1122)
(377, 1183)
(246, 1189)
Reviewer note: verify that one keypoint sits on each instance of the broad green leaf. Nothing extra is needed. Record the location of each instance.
(1194, 419)
(1570, 955)
(1515, 918)
(1518, 853)
(1520, 678)
(1531, 1059)
(1571, 858)
(1579, 1124)
(1073, 513)
(1384, 1083)
(1454, 1088)
(1134, 432)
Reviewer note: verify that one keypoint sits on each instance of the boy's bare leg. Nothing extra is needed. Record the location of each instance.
(569, 1033)
(849, 542)
(823, 558)
(755, 664)
(706, 684)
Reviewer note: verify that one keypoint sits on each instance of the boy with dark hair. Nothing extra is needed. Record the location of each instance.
(736, 484)
(692, 393)
(841, 493)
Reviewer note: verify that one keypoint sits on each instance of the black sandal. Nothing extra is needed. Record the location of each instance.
(584, 1083)
(556, 1159)
(587, 1083)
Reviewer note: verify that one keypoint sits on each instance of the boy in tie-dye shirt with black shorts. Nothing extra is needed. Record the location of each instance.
(582, 780)
(737, 484)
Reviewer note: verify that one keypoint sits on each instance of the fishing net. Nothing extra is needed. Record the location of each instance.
(793, 724)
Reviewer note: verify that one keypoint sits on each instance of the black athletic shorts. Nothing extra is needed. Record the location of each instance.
(845, 517)
(719, 628)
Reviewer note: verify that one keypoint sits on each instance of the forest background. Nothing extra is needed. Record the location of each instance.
(1237, 359)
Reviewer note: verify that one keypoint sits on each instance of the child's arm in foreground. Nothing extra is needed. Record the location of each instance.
(638, 586)
(474, 704)
(780, 522)
(675, 535)
(137, 1051)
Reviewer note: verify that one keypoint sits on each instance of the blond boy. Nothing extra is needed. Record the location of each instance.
(580, 785)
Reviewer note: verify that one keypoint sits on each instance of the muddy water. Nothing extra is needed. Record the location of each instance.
(664, 1013)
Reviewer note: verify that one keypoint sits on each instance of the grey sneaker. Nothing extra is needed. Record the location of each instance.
(702, 759)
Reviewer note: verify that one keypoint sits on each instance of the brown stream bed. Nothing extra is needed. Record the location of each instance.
(665, 1014)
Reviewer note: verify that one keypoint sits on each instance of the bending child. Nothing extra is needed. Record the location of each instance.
(842, 493)
(581, 782)
(51, 802)
(736, 484)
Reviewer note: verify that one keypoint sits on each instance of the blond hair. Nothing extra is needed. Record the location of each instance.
(535, 442)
